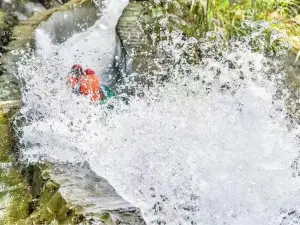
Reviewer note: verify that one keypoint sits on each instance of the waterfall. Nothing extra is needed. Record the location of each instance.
(188, 152)
(95, 47)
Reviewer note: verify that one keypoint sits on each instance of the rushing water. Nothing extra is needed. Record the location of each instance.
(190, 152)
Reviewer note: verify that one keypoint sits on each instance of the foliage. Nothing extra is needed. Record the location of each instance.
(7, 21)
(14, 188)
(196, 17)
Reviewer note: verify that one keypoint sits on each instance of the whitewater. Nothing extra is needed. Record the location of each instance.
(189, 151)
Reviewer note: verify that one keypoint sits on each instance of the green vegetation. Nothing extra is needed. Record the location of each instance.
(14, 191)
(7, 21)
(29, 197)
(196, 17)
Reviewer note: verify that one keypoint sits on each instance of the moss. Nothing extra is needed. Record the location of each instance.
(16, 188)
(49, 205)
(11, 177)
(19, 207)
(106, 218)
(25, 31)
(201, 17)
(7, 22)
(5, 142)
(41, 202)
(2, 19)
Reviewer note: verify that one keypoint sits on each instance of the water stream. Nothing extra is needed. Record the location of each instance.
(188, 152)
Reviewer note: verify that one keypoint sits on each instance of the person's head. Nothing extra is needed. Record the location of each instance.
(77, 70)
(89, 72)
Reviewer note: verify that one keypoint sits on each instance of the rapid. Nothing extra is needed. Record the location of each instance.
(210, 146)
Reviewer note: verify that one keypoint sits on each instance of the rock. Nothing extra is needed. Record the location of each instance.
(74, 194)
(137, 49)
(130, 31)
(81, 186)
(22, 44)
(13, 189)
(48, 204)
(38, 194)
(63, 25)
(7, 22)
(52, 3)
(47, 3)
(9, 87)
(31, 8)
(22, 10)
(140, 29)
(6, 106)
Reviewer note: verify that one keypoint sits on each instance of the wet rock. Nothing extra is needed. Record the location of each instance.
(13, 188)
(9, 88)
(137, 50)
(72, 194)
(63, 25)
(47, 3)
(52, 3)
(30, 196)
(7, 106)
(130, 31)
(22, 9)
(7, 22)
(31, 8)
(21, 45)
(140, 29)
(81, 186)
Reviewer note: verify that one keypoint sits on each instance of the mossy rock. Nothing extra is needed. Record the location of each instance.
(30, 197)
(7, 22)
(42, 204)
(6, 133)
(137, 49)
(15, 192)
(22, 44)
(195, 18)
(48, 204)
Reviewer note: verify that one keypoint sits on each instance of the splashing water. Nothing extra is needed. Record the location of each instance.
(94, 48)
(188, 152)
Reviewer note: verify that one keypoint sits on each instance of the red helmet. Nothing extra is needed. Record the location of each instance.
(77, 70)
(77, 66)
(89, 72)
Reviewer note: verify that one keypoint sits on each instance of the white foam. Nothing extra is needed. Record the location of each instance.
(183, 154)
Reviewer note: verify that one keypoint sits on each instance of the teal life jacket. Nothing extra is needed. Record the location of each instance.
(108, 94)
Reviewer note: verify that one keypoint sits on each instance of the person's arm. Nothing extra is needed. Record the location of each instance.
(101, 92)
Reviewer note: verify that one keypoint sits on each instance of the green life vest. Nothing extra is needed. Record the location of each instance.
(108, 94)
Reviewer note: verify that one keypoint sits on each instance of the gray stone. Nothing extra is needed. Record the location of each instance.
(137, 50)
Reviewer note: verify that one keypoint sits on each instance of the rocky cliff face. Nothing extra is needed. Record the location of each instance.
(138, 51)
(144, 24)
(7, 22)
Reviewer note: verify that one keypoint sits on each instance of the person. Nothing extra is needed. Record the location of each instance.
(74, 78)
(86, 83)
(90, 86)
